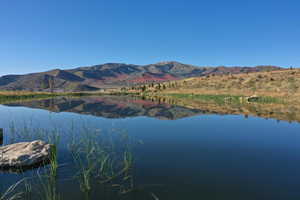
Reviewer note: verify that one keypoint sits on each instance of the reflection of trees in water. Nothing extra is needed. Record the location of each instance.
(166, 107)
(278, 111)
(115, 107)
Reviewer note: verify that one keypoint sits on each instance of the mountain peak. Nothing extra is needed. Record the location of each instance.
(169, 62)
(112, 75)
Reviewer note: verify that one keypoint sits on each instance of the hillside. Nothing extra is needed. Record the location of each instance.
(114, 75)
(280, 83)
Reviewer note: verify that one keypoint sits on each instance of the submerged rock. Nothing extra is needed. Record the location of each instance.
(24, 154)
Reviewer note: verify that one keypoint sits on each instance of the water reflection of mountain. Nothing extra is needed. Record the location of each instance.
(279, 111)
(112, 107)
(161, 108)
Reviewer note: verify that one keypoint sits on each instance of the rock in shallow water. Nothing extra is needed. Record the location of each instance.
(24, 154)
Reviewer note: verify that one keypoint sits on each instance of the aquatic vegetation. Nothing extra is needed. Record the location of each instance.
(99, 158)
(48, 186)
(103, 159)
(54, 139)
(10, 193)
(47, 180)
(28, 190)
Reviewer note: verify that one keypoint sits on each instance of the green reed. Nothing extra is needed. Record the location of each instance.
(10, 193)
(28, 191)
(48, 187)
(102, 159)
(47, 181)
(99, 160)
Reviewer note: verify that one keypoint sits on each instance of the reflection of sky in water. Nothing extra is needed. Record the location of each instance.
(217, 156)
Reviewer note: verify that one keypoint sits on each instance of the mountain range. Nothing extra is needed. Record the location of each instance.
(113, 75)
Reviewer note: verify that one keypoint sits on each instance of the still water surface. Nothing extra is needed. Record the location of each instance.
(178, 152)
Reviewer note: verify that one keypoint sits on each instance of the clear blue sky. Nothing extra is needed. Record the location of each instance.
(38, 35)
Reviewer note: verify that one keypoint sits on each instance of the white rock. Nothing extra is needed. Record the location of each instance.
(24, 154)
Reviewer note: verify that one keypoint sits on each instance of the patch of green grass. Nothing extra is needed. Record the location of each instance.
(265, 99)
(226, 99)
(8, 98)
(220, 99)
(22, 96)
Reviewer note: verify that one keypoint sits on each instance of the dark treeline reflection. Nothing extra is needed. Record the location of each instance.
(112, 107)
(161, 107)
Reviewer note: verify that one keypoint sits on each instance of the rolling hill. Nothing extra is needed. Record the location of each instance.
(284, 83)
(114, 75)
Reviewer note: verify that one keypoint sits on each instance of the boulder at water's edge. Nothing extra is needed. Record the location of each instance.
(24, 154)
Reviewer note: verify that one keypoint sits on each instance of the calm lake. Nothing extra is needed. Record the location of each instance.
(114, 147)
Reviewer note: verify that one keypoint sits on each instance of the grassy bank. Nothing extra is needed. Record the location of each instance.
(16, 96)
(222, 98)
(11, 96)
(282, 84)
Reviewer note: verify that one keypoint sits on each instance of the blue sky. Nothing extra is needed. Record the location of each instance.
(40, 35)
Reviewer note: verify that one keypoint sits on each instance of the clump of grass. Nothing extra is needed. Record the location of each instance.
(48, 187)
(54, 140)
(49, 180)
(103, 159)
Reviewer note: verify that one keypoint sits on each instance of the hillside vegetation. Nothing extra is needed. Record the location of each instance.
(283, 83)
(113, 75)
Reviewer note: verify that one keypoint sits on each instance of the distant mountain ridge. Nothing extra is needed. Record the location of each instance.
(112, 75)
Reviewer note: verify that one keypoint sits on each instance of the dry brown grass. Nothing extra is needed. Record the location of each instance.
(282, 83)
